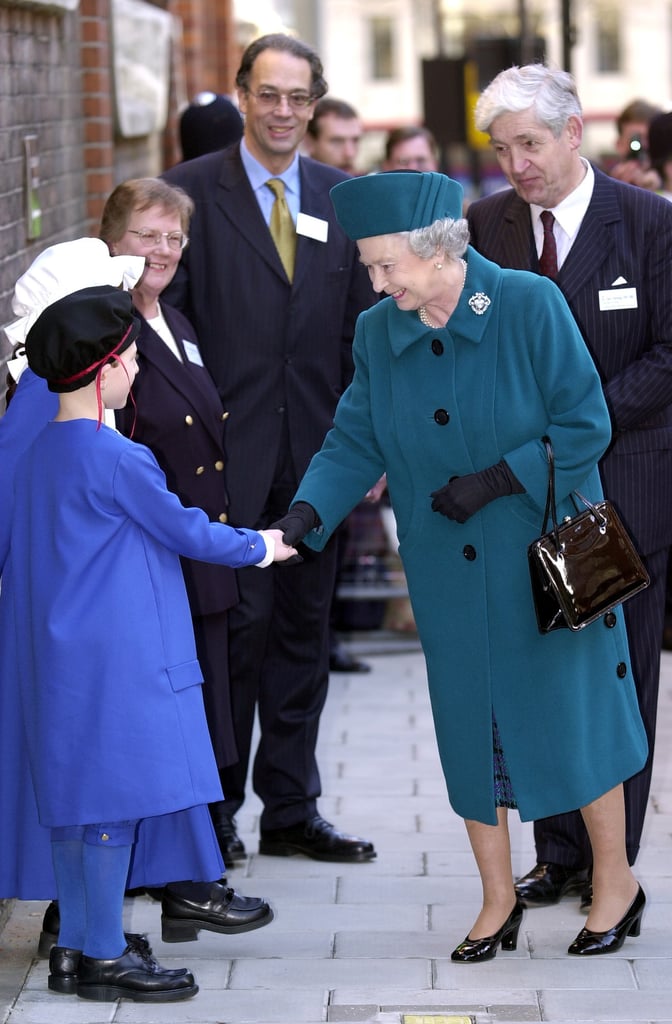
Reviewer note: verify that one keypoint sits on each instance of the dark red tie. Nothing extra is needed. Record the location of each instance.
(548, 261)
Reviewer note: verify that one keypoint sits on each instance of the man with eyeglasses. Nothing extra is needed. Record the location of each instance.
(275, 321)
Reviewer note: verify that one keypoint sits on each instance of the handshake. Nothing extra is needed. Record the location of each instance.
(293, 527)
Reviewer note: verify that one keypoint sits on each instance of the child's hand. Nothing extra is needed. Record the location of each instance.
(282, 551)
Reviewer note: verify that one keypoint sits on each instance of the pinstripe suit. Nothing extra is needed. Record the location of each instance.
(626, 233)
(280, 355)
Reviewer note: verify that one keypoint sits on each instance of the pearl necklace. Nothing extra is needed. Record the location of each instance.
(422, 311)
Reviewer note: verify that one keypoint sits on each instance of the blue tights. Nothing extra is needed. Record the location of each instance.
(91, 867)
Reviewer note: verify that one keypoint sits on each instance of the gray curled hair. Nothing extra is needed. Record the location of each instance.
(551, 93)
(446, 235)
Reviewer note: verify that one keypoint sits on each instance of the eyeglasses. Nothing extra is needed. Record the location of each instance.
(176, 240)
(271, 98)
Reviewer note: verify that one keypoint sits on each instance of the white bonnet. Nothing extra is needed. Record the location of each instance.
(58, 271)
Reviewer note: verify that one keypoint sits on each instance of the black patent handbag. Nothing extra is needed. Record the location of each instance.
(584, 566)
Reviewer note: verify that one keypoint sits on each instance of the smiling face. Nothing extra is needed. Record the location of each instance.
(273, 134)
(395, 270)
(160, 259)
(541, 168)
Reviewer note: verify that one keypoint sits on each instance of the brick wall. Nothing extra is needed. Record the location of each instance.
(40, 94)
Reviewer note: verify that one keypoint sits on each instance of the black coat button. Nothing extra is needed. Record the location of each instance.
(469, 552)
(441, 417)
(622, 670)
(437, 347)
(610, 620)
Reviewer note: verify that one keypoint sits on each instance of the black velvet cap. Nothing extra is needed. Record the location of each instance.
(73, 337)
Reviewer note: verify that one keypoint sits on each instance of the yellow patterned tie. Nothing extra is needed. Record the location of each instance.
(282, 227)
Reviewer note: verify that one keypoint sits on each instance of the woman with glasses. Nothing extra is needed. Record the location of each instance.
(177, 412)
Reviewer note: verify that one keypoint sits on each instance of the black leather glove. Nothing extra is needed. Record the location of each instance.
(295, 524)
(464, 495)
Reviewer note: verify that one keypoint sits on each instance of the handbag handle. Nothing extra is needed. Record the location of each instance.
(551, 509)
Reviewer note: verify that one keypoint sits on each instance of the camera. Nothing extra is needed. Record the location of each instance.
(636, 149)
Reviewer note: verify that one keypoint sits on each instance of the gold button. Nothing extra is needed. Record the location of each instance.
(199, 470)
(219, 465)
(189, 420)
(223, 518)
(104, 837)
(225, 416)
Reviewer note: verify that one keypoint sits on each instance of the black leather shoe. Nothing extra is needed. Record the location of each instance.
(547, 883)
(231, 845)
(51, 924)
(190, 906)
(342, 661)
(64, 963)
(63, 967)
(473, 951)
(133, 976)
(589, 943)
(315, 838)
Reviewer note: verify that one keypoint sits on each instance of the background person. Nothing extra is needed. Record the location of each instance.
(333, 134)
(410, 148)
(210, 122)
(439, 364)
(275, 324)
(632, 145)
(613, 252)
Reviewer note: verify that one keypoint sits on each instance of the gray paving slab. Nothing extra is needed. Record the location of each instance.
(367, 943)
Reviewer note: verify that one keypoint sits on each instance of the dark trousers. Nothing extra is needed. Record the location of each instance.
(279, 664)
(562, 838)
(212, 647)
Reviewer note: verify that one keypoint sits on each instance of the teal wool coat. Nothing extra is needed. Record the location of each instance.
(426, 405)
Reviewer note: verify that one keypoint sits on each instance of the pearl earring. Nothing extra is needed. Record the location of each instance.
(438, 266)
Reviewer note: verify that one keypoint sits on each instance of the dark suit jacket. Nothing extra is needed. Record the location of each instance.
(279, 353)
(180, 417)
(625, 234)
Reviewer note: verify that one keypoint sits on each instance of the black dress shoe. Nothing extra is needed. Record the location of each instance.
(315, 838)
(231, 845)
(64, 963)
(589, 943)
(342, 661)
(132, 976)
(473, 951)
(51, 924)
(188, 907)
(547, 883)
(63, 967)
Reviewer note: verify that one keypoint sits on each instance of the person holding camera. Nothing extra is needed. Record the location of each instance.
(632, 145)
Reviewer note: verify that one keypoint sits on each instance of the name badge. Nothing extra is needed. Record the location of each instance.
(617, 298)
(192, 351)
(312, 227)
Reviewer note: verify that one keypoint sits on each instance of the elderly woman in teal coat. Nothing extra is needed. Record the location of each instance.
(461, 369)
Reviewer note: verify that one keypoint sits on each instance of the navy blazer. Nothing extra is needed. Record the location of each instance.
(279, 352)
(625, 237)
(180, 417)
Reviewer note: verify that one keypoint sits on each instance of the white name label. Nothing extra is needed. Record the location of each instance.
(617, 298)
(312, 227)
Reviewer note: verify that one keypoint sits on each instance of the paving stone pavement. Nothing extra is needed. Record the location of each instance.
(371, 942)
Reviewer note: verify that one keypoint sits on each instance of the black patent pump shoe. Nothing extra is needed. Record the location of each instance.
(474, 951)
(589, 943)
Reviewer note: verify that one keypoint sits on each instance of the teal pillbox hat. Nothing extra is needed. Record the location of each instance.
(393, 201)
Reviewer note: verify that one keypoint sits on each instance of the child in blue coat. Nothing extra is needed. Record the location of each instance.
(105, 656)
